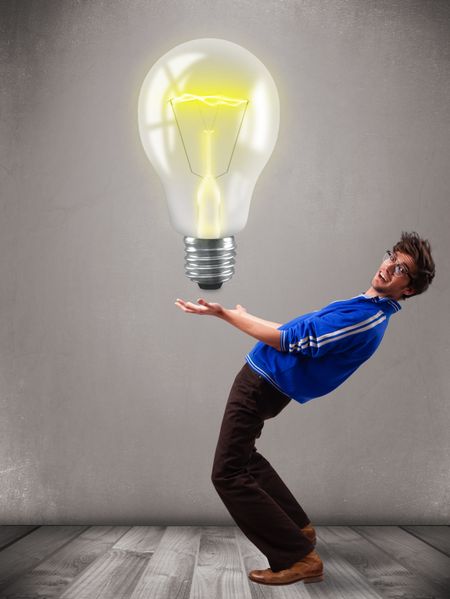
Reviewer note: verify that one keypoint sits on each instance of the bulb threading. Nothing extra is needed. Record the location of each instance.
(209, 262)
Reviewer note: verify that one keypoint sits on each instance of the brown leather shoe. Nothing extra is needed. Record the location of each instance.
(310, 534)
(309, 569)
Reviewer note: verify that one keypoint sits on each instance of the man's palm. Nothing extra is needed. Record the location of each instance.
(202, 307)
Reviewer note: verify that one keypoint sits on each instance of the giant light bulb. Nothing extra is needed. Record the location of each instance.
(208, 120)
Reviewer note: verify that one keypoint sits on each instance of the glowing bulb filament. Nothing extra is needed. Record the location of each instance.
(209, 128)
(208, 196)
(209, 100)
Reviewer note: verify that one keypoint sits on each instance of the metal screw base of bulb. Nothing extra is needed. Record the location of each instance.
(209, 262)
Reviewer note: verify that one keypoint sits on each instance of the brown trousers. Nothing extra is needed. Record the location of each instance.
(256, 497)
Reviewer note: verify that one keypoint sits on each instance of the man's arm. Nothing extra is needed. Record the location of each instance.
(274, 325)
(263, 330)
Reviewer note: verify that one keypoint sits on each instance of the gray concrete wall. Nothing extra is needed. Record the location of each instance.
(111, 398)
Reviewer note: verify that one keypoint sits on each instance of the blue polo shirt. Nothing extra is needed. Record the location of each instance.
(321, 349)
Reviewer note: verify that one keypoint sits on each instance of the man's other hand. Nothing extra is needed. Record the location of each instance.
(202, 307)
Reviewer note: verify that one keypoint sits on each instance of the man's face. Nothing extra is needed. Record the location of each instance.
(387, 283)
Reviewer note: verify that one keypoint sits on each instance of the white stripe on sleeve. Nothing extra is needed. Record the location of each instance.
(339, 331)
(338, 335)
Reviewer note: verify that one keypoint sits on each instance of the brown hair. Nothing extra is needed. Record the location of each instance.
(420, 251)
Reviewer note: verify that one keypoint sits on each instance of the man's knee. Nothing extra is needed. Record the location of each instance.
(227, 479)
(217, 476)
(221, 478)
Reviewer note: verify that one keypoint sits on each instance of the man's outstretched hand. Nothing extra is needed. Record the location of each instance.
(261, 329)
(201, 307)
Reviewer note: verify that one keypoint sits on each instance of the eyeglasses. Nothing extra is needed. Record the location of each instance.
(400, 268)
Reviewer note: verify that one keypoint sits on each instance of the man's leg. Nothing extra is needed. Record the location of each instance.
(270, 481)
(268, 478)
(260, 517)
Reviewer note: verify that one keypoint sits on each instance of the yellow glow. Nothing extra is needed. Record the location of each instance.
(208, 196)
(207, 135)
(209, 100)
(209, 213)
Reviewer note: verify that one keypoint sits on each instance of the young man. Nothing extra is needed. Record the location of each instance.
(301, 360)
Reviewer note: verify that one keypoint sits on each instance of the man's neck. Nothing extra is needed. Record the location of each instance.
(371, 292)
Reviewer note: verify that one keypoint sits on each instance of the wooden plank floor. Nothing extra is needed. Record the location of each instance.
(209, 562)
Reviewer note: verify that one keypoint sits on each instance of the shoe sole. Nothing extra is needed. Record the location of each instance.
(306, 580)
(313, 579)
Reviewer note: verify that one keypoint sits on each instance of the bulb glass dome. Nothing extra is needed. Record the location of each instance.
(208, 120)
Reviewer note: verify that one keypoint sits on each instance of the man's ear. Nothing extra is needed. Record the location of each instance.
(409, 291)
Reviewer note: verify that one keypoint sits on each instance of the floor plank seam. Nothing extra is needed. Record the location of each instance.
(413, 534)
(28, 571)
(194, 569)
(122, 535)
(390, 556)
(18, 538)
(64, 544)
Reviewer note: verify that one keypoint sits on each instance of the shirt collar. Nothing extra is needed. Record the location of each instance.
(385, 302)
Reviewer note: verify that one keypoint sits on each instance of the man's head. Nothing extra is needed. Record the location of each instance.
(406, 270)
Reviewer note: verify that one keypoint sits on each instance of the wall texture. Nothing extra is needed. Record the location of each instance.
(111, 398)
